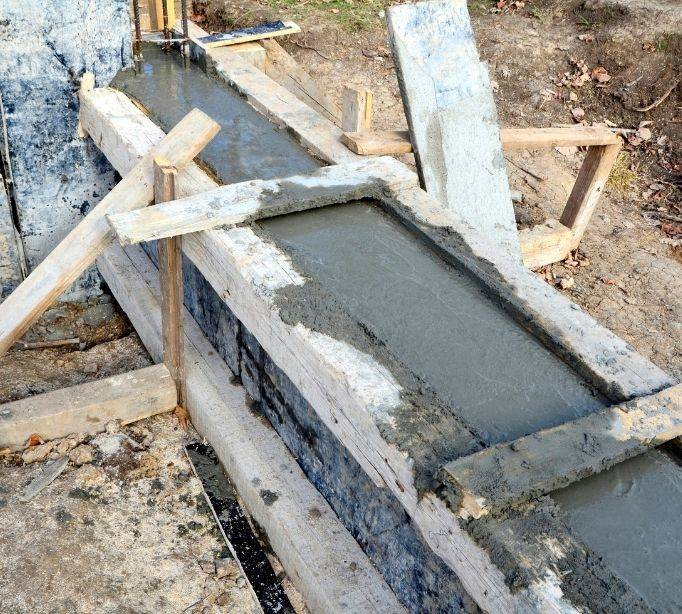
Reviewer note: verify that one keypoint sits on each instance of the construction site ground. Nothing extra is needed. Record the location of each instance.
(128, 529)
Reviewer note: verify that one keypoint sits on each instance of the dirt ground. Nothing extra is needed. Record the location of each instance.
(125, 527)
(128, 531)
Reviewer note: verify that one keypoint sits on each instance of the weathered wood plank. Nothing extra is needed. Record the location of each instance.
(170, 279)
(356, 109)
(86, 241)
(589, 185)
(545, 243)
(510, 473)
(243, 203)
(395, 142)
(320, 556)
(281, 67)
(451, 115)
(87, 408)
(247, 35)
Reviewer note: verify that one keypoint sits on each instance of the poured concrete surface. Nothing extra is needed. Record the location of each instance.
(632, 516)
(394, 310)
(438, 321)
(247, 147)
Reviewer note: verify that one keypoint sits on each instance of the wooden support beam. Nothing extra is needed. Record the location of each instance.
(510, 473)
(156, 13)
(170, 276)
(281, 67)
(589, 185)
(246, 35)
(321, 557)
(395, 142)
(242, 203)
(452, 117)
(86, 241)
(87, 408)
(545, 243)
(356, 109)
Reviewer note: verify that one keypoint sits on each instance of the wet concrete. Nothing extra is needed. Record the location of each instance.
(632, 516)
(442, 326)
(248, 146)
(502, 381)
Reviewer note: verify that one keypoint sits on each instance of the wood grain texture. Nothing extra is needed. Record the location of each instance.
(356, 109)
(242, 203)
(589, 185)
(87, 408)
(510, 473)
(86, 241)
(452, 117)
(321, 557)
(170, 279)
(281, 67)
(394, 142)
(225, 40)
(545, 243)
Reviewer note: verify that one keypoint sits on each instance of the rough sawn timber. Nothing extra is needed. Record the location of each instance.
(537, 464)
(350, 392)
(322, 559)
(242, 203)
(88, 239)
(452, 117)
(87, 408)
(395, 142)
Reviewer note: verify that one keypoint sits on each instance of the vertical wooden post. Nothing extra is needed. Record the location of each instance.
(356, 114)
(170, 276)
(157, 8)
(588, 187)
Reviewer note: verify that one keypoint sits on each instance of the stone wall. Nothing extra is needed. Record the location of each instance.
(45, 47)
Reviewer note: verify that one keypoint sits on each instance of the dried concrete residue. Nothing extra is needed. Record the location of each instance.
(45, 47)
(420, 424)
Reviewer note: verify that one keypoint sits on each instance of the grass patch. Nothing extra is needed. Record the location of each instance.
(352, 15)
(622, 176)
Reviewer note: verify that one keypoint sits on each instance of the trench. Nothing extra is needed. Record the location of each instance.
(437, 323)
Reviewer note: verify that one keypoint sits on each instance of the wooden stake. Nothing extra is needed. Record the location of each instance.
(356, 109)
(170, 277)
(588, 188)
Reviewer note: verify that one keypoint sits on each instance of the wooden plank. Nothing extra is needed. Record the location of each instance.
(375, 143)
(589, 185)
(281, 67)
(510, 473)
(156, 9)
(451, 114)
(314, 132)
(545, 243)
(356, 109)
(170, 276)
(245, 35)
(320, 556)
(87, 408)
(86, 241)
(394, 142)
(253, 53)
(243, 203)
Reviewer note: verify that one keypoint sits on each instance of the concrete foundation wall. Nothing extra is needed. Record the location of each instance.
(420, 579)
(45, 47)
(10, 268)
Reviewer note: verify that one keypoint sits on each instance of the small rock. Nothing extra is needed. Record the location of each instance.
(566, 283)
(37, 453)
(91, 367)
(240, 581)
(578, 114)
(224, 568)
(81, 455)
(98, 314)
(114, 426)
(370, 53)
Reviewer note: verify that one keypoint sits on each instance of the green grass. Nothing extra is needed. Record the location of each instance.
(622, 176)
(352, 15)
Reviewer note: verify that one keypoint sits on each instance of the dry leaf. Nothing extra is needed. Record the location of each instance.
(34, 440)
